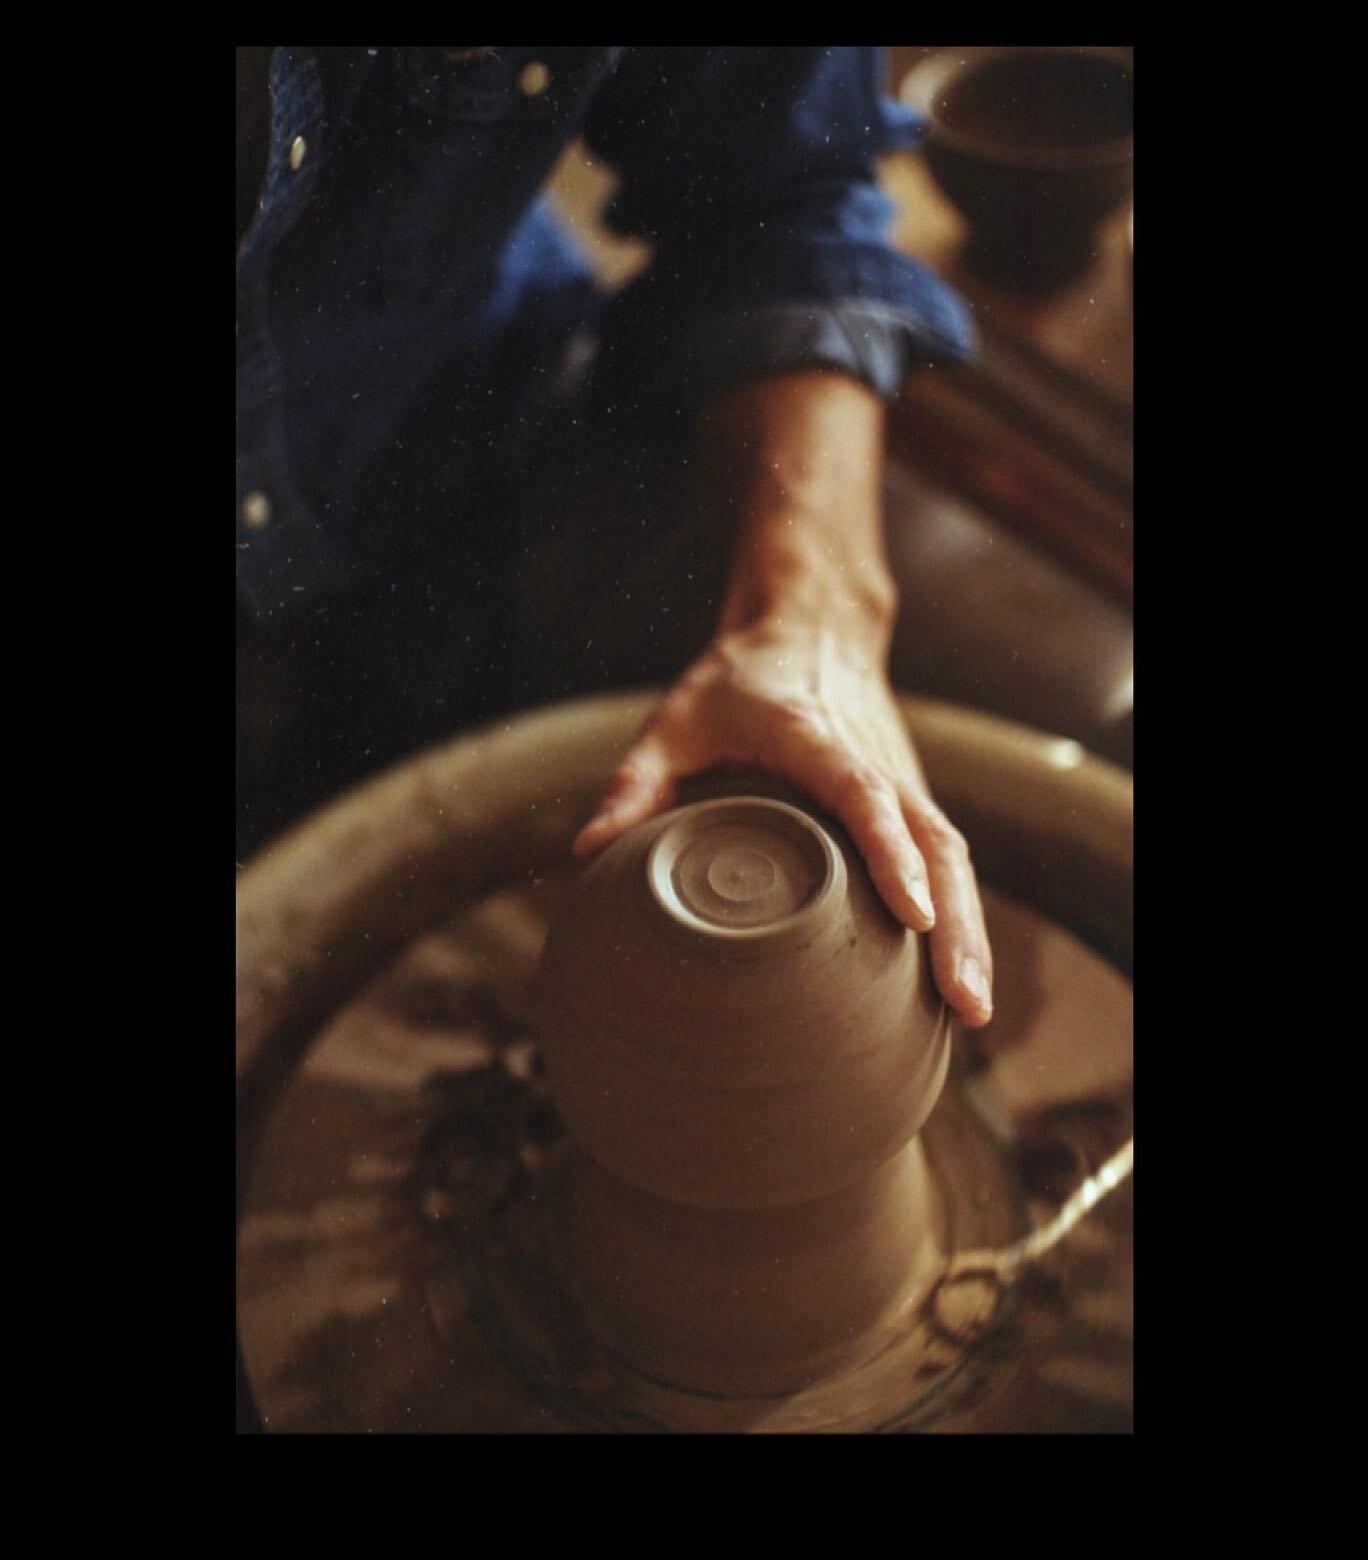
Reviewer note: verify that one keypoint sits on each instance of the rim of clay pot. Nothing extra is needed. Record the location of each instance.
(925, 84)
(765, 849)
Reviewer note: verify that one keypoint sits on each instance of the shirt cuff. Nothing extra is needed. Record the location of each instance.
(872, 341)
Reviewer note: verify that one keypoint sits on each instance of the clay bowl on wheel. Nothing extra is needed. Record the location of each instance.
(744, 1044)
(731, 1017)
(1034, 145)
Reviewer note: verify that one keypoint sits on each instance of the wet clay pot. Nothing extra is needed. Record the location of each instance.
(743, 1043)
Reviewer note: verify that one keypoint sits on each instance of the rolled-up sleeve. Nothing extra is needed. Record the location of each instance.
(752, 172)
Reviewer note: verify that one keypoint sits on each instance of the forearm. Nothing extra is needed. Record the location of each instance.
(797, 460)
(795, 679)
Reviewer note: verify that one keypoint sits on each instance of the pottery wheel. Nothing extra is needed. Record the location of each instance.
(393, 1272)
(398, 1159)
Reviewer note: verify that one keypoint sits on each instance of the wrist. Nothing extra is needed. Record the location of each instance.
(798, 462)
(788, 575)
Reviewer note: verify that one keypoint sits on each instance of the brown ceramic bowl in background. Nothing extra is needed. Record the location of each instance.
(1033, 145)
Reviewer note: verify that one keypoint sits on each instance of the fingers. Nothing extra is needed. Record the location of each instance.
(961, 958)
(641, 786)
(918, 861)
(869, 808)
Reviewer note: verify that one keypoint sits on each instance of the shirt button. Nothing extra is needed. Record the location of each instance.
(297, 149)
(534, 79)
(256, 511)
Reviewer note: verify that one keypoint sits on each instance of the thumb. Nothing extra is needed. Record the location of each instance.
(643, 784)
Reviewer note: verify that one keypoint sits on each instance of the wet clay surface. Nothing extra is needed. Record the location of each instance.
(744, 1042)
(395, 1263)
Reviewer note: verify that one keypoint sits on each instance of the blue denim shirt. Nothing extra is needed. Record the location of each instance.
(405, 295)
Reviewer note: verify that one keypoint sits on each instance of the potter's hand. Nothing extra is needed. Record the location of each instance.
(812, 705)
(794, 681)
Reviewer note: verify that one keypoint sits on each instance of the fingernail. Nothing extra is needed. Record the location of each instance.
(587, 832)
(920, 896)
(975, 982)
